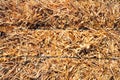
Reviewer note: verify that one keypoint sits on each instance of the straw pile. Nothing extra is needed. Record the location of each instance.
(59, 40)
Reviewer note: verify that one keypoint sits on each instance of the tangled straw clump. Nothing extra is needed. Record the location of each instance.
(60, 14)
(60, 54)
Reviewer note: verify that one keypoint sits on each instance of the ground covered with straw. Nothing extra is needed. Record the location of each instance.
(59, 40)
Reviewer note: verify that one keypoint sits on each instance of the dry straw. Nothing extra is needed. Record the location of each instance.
(59, 39)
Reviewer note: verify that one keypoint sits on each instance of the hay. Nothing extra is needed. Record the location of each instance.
(59, 40)
(64, 14)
